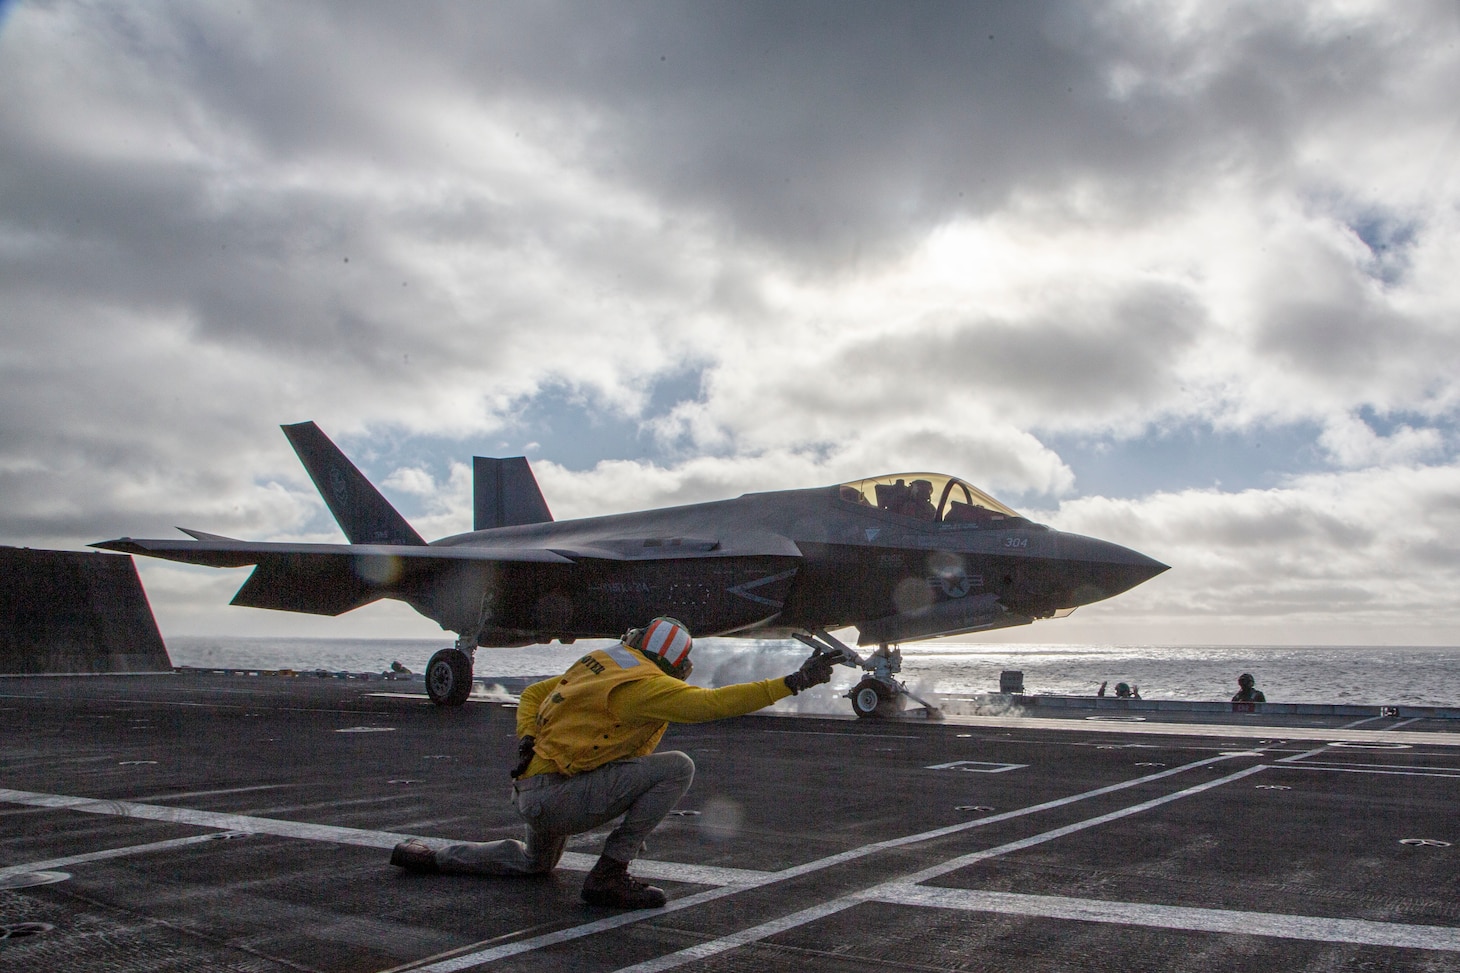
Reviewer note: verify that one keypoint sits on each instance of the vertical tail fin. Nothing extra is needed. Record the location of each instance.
(363, 514)
(506, 494)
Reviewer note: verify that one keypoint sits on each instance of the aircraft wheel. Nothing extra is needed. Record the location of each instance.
(868, 697)
(448, 678)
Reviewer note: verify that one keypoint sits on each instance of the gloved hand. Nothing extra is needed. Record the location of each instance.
(525, 751)
(813, 672)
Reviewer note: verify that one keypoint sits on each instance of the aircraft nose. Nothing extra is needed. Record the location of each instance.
(1106, 569)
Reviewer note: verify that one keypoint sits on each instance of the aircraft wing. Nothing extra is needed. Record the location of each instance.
(219, 552)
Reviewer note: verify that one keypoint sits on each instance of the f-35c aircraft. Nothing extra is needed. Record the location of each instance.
(904, 557)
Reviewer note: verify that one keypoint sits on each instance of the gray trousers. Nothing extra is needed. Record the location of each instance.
(642, 789)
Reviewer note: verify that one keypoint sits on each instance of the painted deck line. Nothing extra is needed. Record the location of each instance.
(963, 861)
(207, 819)
(1302, 756)
(1330, 734)
(491, 954)
(1374, 770)
(96, 856)
(674, 871)
(1315, 929)
(572, 861)
(701, 951)
(1334, 763)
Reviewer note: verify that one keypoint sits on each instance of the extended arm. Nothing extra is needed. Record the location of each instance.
(668, 700)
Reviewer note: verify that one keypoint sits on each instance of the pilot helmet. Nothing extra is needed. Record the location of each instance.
(1122, 689)
(663, 638)
(1245, 680)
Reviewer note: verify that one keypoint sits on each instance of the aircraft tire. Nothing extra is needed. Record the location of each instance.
(869, 697)
(448, 678)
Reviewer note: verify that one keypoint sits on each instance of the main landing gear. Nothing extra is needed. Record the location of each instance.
(878, 694)
(448, 676)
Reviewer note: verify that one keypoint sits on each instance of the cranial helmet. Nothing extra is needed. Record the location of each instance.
(1245, 680)
(665, 638)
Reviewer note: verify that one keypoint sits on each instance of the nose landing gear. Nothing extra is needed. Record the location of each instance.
(879, 693)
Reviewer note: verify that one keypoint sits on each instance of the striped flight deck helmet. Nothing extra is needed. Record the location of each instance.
(663, 638)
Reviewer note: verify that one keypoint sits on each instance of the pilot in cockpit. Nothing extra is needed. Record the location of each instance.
(920, 503)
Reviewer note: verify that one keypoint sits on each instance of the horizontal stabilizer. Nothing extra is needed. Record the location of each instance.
(363, 514)
(203, 535)
(506, 494)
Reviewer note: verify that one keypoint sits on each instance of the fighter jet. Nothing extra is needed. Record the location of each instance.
(899, 558)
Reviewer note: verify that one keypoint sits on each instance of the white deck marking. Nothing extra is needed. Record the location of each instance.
(1373, 770)
(672, 871)
(1443, 738)
(1368, 766)
(491, 954)
(97, 856)
(208, 819)
(1307, 928)
(666, 871)
(777, 926)
(1302, 756)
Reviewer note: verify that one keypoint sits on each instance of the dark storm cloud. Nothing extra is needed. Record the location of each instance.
(834, 127)
(829, 129)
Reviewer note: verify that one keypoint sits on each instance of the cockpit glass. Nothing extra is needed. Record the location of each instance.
(934, 497)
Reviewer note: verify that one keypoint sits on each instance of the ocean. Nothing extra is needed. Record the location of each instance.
(1367, 675)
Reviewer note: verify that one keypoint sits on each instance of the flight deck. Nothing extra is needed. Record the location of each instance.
(191, 822)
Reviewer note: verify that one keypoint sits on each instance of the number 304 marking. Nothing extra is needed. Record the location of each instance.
(1016, 542)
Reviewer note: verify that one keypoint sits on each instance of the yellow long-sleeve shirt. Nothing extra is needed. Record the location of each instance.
(660, 698)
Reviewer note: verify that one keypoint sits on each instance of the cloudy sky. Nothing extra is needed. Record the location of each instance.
(1184, 276)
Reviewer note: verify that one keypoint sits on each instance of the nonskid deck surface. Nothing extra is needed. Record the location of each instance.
(244, 824)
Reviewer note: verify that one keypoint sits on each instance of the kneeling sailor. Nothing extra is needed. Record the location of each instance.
(587, 741)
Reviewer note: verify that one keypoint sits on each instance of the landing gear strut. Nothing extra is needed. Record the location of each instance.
(878, 694)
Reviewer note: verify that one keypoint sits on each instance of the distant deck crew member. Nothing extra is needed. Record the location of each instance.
(586, 757)
(1247, 691)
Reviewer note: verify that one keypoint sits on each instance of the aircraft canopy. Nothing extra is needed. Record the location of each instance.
(933, 497)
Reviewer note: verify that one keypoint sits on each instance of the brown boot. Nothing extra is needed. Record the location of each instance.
(610, 884)
(414, 855)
